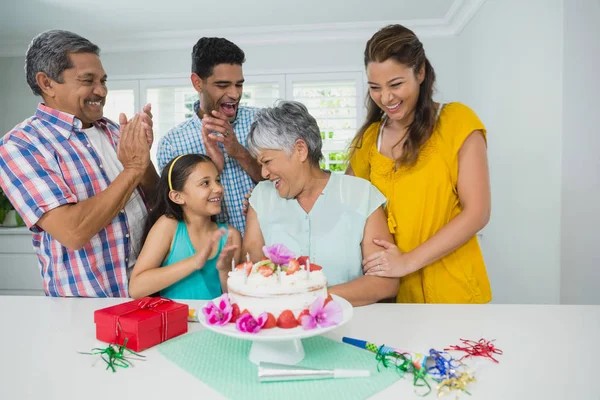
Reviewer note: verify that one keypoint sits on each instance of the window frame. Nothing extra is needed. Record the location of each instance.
(284, 79)
(328, 77)
(127, 84)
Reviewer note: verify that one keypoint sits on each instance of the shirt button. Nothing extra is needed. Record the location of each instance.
(100, 166)
(122, 211)
(126, 259)
(127, 235)
(89, 145)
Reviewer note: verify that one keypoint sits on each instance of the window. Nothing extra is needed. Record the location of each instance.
(121, 98)
(173, 101)
(333, 100)
(260, 94)
(119, 101)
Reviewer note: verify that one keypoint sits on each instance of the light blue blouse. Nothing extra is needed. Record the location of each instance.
(331, 233)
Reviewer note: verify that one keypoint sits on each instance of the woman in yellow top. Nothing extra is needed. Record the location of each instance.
(430, 162)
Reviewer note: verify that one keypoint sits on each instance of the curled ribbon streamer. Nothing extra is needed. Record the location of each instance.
(481, 348)
(150, 305)
(116, 356)
(439, 367)
(404, 364)
(458, 382)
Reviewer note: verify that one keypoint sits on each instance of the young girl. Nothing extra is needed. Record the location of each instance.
(430, 162)
(186, 254)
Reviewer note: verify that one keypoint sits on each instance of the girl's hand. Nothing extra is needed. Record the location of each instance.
(390, 262)
(203, 254)
(227, 253)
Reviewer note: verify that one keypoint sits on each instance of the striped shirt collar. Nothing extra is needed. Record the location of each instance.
(66, 121)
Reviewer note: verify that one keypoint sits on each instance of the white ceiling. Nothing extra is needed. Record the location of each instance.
(117, 24)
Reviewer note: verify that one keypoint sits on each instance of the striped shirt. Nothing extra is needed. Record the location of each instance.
(48, 161)
(186, 138)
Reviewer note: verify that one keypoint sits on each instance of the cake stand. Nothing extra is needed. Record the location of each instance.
(276, 345)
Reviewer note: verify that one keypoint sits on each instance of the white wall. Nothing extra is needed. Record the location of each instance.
(580, 275)
(17, 102)
(511, 75)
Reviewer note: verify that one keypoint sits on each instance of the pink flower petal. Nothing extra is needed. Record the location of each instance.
(208, 308)
(247, 323)
(218, 315)
(331, 314)
(225, 307)
(262, 319)
(224, 303)
(316, 307)
(242, 322)
(225, 318)
(212, 319)
(308, 322)
(278, 253)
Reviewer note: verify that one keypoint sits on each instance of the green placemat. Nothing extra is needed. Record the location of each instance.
(221, 362)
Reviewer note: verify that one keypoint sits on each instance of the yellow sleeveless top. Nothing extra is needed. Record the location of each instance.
(421, 200)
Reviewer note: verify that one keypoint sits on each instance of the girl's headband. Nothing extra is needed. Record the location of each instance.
(171, 170)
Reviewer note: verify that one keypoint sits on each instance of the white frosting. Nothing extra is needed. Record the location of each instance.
(258, 294)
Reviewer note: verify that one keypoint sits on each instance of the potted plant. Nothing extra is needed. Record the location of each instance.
(8, 215)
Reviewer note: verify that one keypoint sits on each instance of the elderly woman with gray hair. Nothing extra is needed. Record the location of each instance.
(331, 218)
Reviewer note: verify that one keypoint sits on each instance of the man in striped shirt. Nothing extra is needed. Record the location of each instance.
(219, 126)
(78, 180)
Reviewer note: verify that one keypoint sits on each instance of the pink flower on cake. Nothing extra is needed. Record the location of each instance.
(278, 253)
(247, 323)
(322, 315)
(220, 313)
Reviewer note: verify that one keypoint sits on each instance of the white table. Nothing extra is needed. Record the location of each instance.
(550, 352)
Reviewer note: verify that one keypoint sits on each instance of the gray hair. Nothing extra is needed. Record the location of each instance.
(49, 53)
(278, 128)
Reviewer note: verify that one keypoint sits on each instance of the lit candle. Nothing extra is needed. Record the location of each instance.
(247, 257)
(232, 265)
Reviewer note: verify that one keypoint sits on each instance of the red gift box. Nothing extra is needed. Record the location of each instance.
(144, 323)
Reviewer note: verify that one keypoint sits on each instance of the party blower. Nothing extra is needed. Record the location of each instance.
(271, 372)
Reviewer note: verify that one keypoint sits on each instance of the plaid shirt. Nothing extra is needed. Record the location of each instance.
(186, 138)
(45, 162)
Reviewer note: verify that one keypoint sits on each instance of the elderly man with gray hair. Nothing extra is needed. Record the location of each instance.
(78, 180)
(331, 218)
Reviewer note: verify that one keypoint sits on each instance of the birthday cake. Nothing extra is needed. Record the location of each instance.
(281, 286)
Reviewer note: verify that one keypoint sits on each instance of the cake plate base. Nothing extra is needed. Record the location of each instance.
(277, 345)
